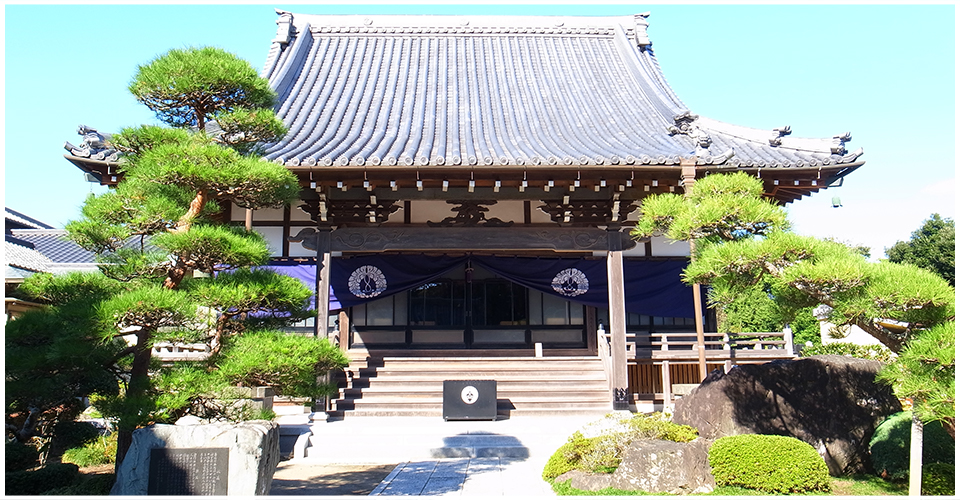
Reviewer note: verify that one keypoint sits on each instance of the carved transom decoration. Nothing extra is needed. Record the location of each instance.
(470, 213)
(367, 211)
(592, 212)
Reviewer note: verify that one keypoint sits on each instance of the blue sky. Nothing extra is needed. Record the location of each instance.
(885, 73)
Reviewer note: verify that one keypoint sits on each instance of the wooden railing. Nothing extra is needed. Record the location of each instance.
(605, 350)
(662, 365)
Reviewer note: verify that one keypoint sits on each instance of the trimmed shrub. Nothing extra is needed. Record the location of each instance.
(603, 452)
(890, 446)
(37, 481)
(772, 464)
(658, 426)
(874, 352)
(20, 456)
(938, 479)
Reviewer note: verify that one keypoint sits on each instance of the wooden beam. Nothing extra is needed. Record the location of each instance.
(425, 239)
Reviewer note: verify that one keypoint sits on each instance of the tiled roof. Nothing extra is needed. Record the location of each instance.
(54, 245)
(16, 220)
(23, 256)
(488, 90)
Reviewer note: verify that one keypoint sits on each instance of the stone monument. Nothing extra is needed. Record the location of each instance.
(206, 459)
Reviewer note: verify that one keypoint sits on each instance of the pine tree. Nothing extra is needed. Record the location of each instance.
(164, 222)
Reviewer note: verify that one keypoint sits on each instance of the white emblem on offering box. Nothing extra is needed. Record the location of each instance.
(469, 394)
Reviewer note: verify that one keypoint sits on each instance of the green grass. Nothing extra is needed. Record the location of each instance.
(564, 489)
(858, 485)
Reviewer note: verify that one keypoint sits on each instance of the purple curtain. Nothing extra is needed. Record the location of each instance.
(307, 274)
(653, 288)
(579, 280)
(358, 280)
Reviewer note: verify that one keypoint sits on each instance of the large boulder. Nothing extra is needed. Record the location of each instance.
(653, 466)
(657, 466)
(831, 402)
(253, 452)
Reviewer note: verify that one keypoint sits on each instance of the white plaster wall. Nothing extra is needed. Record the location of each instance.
(298, 215)
(296, 249)
(238, 214)
(665, 247)
(274, 237)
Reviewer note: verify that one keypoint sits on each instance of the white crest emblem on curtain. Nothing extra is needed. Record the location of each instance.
(571, 282)
(367, 282)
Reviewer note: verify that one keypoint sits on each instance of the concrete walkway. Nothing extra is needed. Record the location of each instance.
(437, 457)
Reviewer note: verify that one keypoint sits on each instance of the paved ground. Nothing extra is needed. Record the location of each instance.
(428, 456)
(326, 479)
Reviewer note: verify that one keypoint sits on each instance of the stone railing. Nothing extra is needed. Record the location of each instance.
(166, 352)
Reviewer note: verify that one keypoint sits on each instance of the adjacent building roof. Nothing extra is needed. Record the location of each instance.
(490, 90)
(30, 247)
(17, 220)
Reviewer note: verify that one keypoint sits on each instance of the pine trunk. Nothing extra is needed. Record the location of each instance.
(136, 388)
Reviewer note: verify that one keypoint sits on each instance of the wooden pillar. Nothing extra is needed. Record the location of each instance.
(618, 321)
(321, 328)
(248, 219)
(667, 384)
(916, 453)
(688, 170)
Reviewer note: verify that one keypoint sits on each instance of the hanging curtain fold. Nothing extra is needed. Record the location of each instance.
(651, 288)
(358, 280)
(307, 274)
(578, 280)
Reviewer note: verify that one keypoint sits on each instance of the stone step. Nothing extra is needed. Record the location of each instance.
(413, 385)
(443, 373)
(519, 388)
(598, 410)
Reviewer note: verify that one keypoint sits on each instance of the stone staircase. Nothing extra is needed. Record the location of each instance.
(412, 385)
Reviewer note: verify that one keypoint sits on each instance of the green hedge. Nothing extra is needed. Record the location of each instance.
(890, 446)
(37, 481)
(938, 479)
(772, 464)
(20, 456)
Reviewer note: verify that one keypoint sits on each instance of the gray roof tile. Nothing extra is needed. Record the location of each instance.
(54, 245)
(486, 90)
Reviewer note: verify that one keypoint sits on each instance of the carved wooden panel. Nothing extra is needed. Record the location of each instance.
(470, 213)
(562, 239)
(364, 211)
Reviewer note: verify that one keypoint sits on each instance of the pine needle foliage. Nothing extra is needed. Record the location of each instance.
(925, 371)
(187, 86)
(159, 225)
(718, 208)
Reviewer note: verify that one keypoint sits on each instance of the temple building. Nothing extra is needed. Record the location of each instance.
(469, 184)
